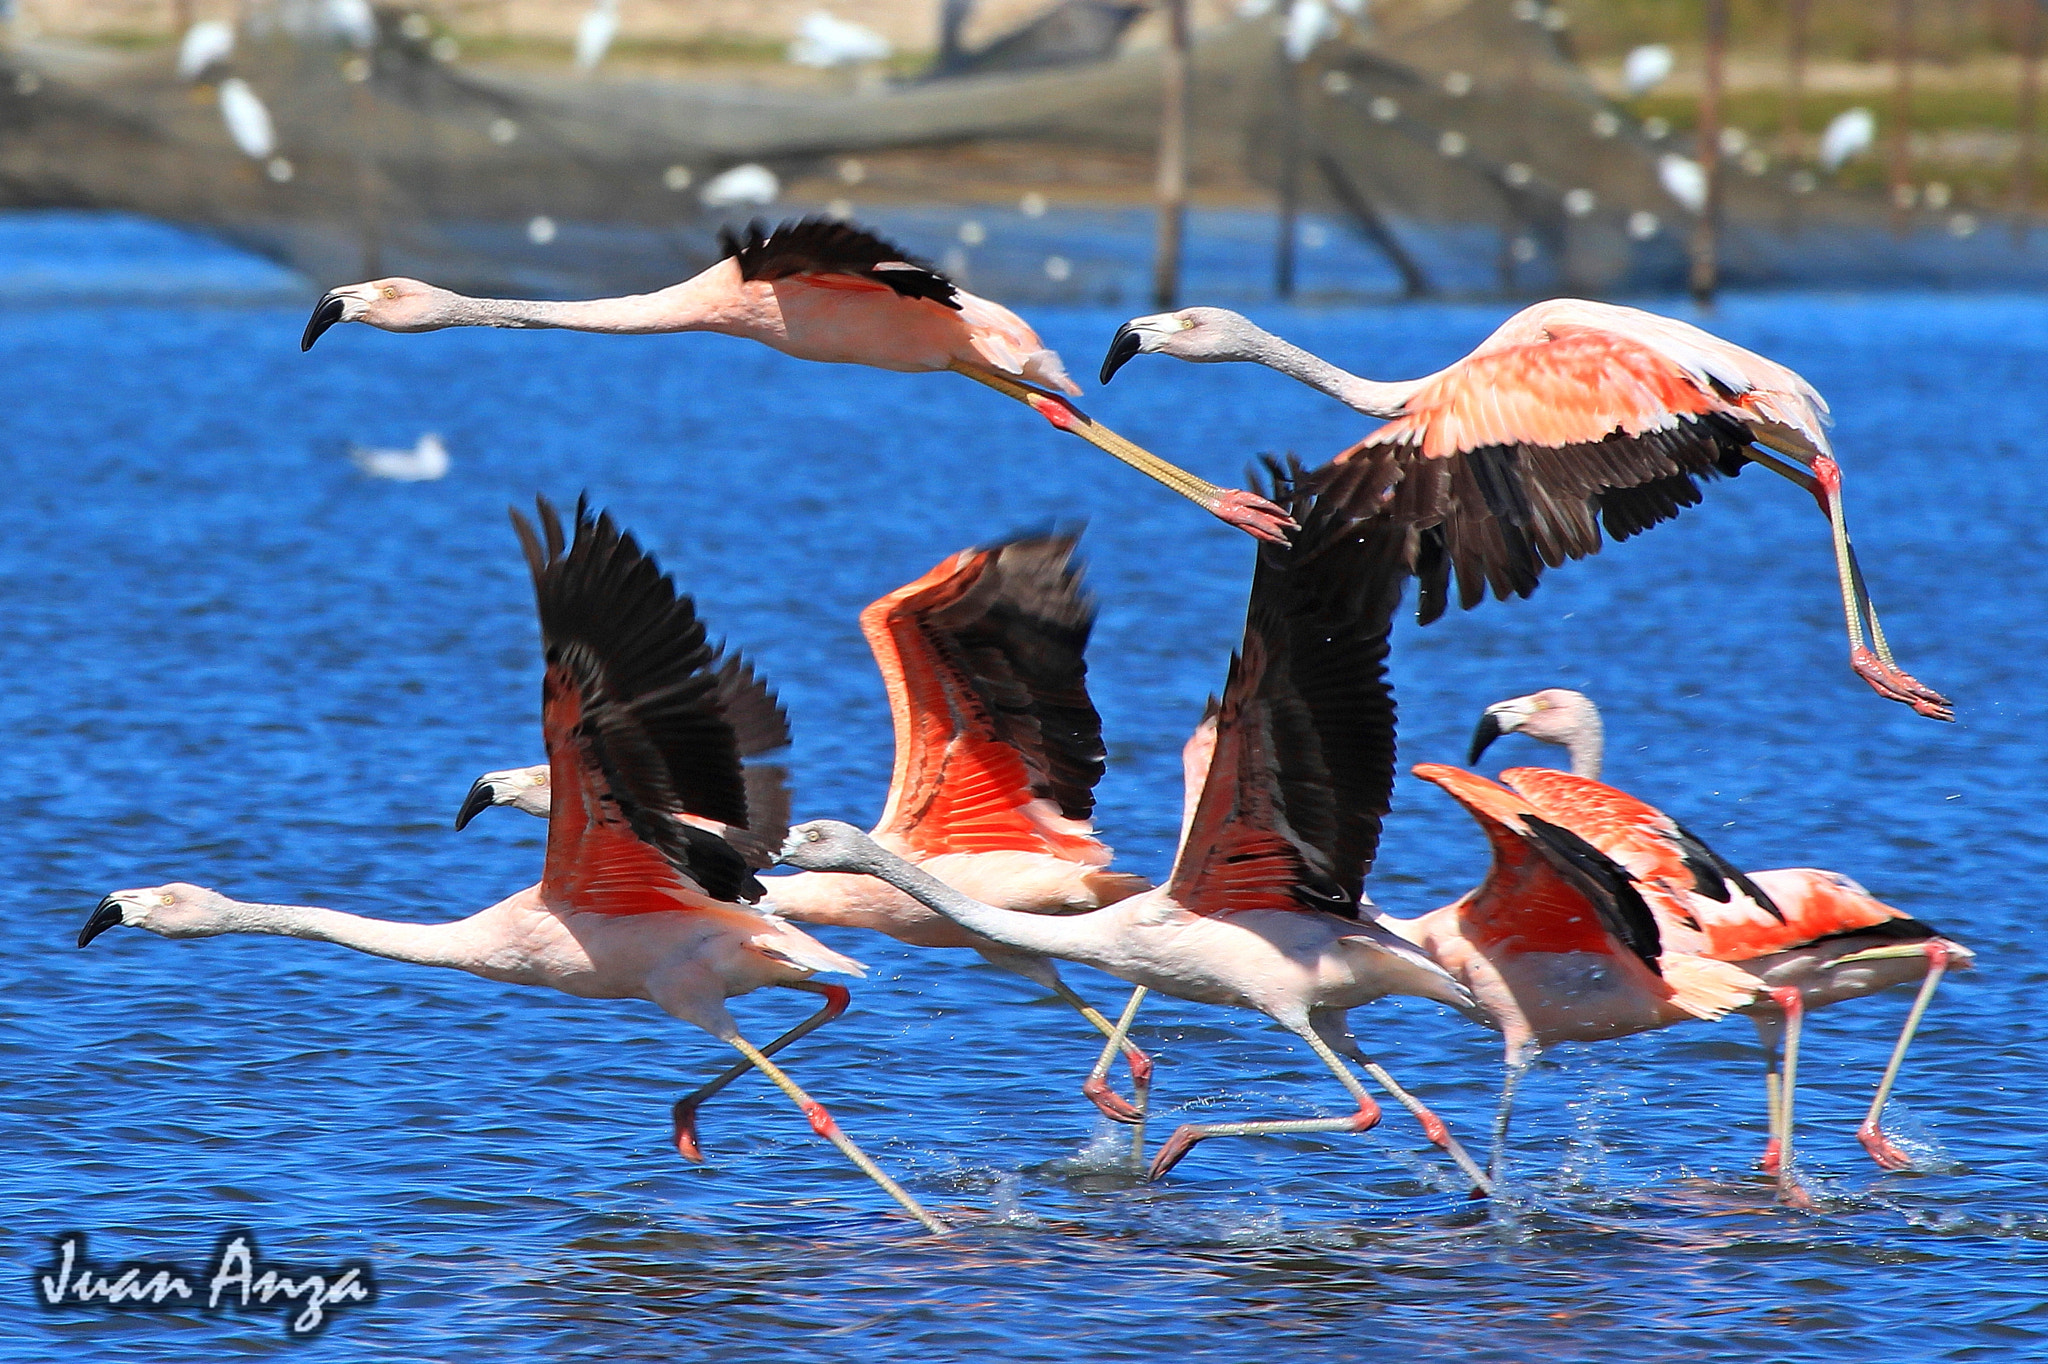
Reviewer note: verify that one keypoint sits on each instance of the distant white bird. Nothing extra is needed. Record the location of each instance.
(1684, 179)
(824, 41)
(595, 33)
(425, 462)
(206, 42)
(248, 121)
(1308, 23)
(751, 183)
(1852, 131)
(350, 19)
(1645, 67)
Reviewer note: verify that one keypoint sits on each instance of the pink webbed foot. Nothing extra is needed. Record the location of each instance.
(1177, 1146)
(1113, 1105)
(1252, 514)
(1882, 1149)
(1896, 684)
(686, 1133)
(1768, 1162)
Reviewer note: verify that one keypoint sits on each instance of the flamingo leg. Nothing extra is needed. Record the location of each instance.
(823, 1124)
(836, 999)
(1518, 1062)
(1249, 512)
(1433, 1127)
(1364, 1120)
(1879, 669)
(1116, 1036)
(1871, 1133)
(1768, 1033)
(1794, 1004)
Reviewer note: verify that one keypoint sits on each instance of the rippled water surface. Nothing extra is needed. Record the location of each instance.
(231, 660)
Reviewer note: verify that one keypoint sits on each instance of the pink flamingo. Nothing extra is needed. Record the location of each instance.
(817, 290)
(1264, 908)
(632, 903)
(998, 751)
(1811, 937)
(1573, 415)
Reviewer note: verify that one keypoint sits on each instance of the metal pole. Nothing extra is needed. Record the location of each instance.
(1290, 176)
(1706, 264)
(2029, 120)
(1901, 176)
(1173, 156)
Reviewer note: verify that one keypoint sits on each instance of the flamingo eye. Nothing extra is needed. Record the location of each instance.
(166, 899)
(539, 779)
(389, 291)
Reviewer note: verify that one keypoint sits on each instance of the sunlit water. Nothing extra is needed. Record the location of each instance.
(230, 659)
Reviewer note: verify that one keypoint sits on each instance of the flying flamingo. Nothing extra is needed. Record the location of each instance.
(818, 290)
(632, 903)
(1573, 415)
(1264, 909)
(998, 751)
(1812, 937)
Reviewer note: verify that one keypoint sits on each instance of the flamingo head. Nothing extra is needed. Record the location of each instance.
(1555, 715)
(1202, 334)
(392, 305)
(177, 910)
(827, 845)
(522, 788)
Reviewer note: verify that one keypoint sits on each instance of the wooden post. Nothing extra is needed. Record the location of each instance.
(181, 19)
(1290, 175)
(1173, 156)
(1706, 262)
(2029, 120)
(1792, 142)
(1901, 176)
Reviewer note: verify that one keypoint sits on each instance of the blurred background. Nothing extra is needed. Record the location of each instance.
(1086, 151)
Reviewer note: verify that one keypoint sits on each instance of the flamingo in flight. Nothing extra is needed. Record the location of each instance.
(1571, 416)
(822, 290)
(1264, 909)
(998, 752)
(1811, 937)
(633, 903)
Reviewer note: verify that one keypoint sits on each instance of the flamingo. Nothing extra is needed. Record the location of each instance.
(823, 290)
(632, 903)
(1812, 937)
(1570, 416)
(998, 751)
(1264, 909)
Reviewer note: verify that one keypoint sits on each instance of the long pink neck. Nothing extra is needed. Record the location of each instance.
(453, 945)
(707, 302)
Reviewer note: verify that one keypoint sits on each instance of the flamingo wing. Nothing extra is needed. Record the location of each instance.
(1302, 767)
(1548, 889)
(1572, 418)
(1650, 843)
(833, 255)
(636, 731)
(998, 746)
(1813, 906)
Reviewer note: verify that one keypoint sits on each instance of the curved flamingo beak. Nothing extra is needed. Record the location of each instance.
(481, 797)
(1483, 737)
(1125, 344)
(107, 915)
(326, 313)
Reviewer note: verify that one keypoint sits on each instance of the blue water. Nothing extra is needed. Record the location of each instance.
(231, 660)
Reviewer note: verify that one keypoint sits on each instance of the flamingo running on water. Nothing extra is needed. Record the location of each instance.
(1573, 415)
(998, 752)
(1264, 909)
(1812, 937)
(632, 903)
(817, 290)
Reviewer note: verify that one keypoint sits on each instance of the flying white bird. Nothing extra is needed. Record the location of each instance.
(425, 462)
(248, 121)
(595, 33)
(206, 42)
(1852, 131)
(751, 183)
(1645, 67)
(823, 41)
(1684, 179)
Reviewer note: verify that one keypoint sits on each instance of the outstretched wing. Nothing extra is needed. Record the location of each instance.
(1303, 766)
(1548, 889)
(636, 730)
(998, 746)
(833, 254)
(1573, 417)
(1650, 843)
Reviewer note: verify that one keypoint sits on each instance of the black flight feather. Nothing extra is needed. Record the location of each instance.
(825, 246)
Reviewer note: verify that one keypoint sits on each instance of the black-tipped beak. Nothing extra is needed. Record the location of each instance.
(480, 798)
(1122, 347)
(1483, 737)
(103, 918)
(326, 313)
